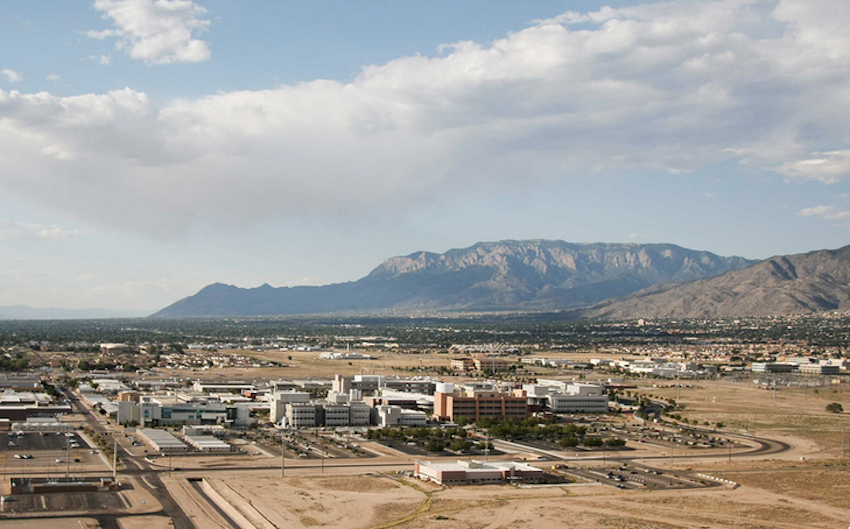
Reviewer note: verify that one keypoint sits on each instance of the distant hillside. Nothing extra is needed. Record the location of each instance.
(23, 312)
(506, 275)
(802, 283)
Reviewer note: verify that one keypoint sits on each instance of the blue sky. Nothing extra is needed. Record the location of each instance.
(151, 148)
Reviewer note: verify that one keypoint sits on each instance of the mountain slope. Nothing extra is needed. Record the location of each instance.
(529, 275)
(801, 283)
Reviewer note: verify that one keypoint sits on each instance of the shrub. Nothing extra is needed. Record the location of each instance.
(834, 407)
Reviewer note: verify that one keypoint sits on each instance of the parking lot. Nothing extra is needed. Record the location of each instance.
(36, 441)
(36, 453)
(638, 477)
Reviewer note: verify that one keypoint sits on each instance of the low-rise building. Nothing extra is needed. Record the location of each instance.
(819, 369)
(475, 472)
(160, 440)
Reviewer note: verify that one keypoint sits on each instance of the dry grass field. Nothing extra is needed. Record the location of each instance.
(790, 412)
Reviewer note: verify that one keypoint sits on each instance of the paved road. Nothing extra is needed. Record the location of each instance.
(151, 482)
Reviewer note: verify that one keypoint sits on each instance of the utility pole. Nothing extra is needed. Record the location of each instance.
(114, 459)
(730, 450)
(672, 439)
(678, 388)
(67, 459)
(282, 448)
(843, 436)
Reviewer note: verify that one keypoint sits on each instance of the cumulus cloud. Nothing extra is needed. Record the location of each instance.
(12, 230)
(12, 76)
(670, 88)
(155, 31)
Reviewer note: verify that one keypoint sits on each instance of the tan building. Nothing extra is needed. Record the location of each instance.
(462, 364)
(475, 405)
(493, 365)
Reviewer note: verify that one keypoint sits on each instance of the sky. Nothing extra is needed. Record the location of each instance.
(151, 147)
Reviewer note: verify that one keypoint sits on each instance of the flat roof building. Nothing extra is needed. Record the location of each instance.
(475, 405)
(475, 472)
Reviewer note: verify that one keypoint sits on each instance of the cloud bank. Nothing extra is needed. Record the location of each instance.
(155, 31)
(672, 88)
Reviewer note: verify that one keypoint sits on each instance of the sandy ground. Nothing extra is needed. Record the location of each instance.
(809, 495)
(146, 522)
(63, 523)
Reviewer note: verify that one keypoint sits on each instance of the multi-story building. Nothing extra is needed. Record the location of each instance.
(279, 399)
(372, 384)
(462, 364)
(301, 414)
(475, 405)
(492, 365)
(397, 416)
(151, 411)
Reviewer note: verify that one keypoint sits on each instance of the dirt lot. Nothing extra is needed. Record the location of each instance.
(382, 501)
(791, 412)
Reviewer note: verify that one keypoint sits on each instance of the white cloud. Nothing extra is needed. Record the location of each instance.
(103, 60)
(12, 230)
(826, 212)
(156, 31)
(828, 167)
(52, 77)
(842, 216)
(12, 76)
(671, 88)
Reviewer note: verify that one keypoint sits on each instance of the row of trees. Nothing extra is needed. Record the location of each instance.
(431, 439)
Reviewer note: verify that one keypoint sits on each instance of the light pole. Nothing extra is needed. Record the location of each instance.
(282, 448)
(672, 446)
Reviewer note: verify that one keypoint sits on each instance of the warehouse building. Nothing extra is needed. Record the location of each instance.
(476, 472)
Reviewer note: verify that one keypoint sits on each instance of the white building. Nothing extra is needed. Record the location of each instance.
(300, 414)
(398, 416)
(279, 399)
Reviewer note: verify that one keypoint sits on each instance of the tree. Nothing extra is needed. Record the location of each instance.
(568, 442)
(834, 407)
(435, 445)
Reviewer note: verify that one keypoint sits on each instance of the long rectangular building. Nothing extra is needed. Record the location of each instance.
(475, 472)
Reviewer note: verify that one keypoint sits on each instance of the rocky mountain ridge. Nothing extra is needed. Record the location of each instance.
(504, 275)
(787, 284)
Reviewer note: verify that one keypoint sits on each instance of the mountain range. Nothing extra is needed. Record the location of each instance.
(789, 284)
(505, 275)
